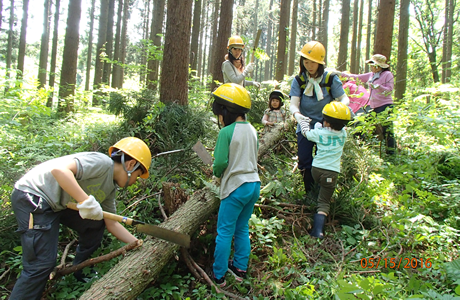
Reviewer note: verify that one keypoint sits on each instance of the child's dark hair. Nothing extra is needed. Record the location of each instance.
(336, 124)
(229, 117)
(116, 157)
(319, 72)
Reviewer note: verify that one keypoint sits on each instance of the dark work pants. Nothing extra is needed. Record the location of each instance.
(327, 181)
(387, 127)
(305, 154)
(40, 243)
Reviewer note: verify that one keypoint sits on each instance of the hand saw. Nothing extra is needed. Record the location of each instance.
(202, 153)
(153, 230)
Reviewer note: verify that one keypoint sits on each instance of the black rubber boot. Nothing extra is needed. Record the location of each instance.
(318, 225)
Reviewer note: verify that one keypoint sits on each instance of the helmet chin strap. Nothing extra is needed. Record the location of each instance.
(230, 53)
(126, 170)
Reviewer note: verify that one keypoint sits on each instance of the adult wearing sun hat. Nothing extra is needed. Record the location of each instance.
(381, 84)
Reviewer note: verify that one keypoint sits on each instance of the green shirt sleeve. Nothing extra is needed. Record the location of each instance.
(221, 151)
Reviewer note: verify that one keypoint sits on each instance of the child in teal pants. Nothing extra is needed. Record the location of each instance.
(235, 163)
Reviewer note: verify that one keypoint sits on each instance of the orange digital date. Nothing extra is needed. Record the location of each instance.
(395, 263)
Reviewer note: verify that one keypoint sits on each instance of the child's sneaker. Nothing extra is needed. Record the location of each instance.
(219, 282)
(237, 273)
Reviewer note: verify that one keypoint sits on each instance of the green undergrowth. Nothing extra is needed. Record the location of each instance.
(393, 229)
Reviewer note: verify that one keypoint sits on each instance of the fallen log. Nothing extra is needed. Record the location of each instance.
(272, 137)
(138, 269)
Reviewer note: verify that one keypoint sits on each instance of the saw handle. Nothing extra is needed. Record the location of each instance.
(108, 215)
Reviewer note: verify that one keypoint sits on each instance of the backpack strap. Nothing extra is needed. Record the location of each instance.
(327, 83)
(302, 83)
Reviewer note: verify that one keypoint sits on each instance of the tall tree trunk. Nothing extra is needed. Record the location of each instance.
(44, 45)
(447, 41)
(292, 48)
(384, 32)
(69, 58)
(360, 35)
(102, 36)
(225, 29)
(268, 47)
(368, 35)
(354, 38)
(282, 36)
(195, 34)
(145, 36)
(9, 50)
(90, 46)
(314, 21)
(174, 74)
(212, 46)
(123, 42)
(325, 26)
(203, 41)
(403, 37)
(22, 39)
(1, 12)
(155, 30)
(344, 31)
(116, 52)
(109, 44)
(49, 102)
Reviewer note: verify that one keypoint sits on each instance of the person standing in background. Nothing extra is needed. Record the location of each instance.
(233, 67)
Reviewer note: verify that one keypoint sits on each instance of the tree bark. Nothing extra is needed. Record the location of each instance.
(368, 35)
(447, 41)
(9, 50)
(49, 102)
(44, 45)
(102, 36)
(360, 34)
(403, 37)
(90, 46)
(174, 75)
(384, 30)
(139, 268)
(268, 48)
(203, 41)
(195, 35)
(214, 22)
(354, 38)
(282, 37)
(145, 35)
(69, 58)
(155, 30)
(225, 29)
(116, 53)
(109, 44)
(22, 39)
(325, 27)
(292, 47)
(344, 30)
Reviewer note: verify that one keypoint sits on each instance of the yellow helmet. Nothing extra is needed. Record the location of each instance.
(137, 149)
(233, 96)
(337, 110)
(235, 42)
(314, 51)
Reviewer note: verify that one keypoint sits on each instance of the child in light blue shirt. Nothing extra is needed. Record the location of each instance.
(330, 138)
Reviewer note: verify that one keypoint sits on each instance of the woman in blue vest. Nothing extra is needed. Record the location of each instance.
(312, 89)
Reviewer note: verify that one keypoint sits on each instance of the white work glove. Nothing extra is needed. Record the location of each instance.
(304, 127)
(375, 86)
(299, 117)
(90, 209)
(249, 68)
(318, 125)
(256, 84)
